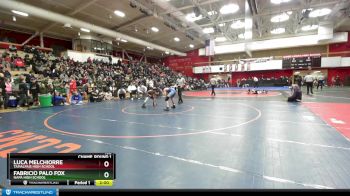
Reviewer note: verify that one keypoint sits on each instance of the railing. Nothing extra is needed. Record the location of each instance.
(5, 45)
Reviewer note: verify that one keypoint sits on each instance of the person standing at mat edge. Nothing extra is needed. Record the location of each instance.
(213, 84)
(309, 80)
(320, 80)
(72, 88)
(180, 82)
(3, 100)
(256, 82)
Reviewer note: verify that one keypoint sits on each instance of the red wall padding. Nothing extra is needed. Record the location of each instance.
(341, 47)
(19, 38)
(185, 64)
(343, 73)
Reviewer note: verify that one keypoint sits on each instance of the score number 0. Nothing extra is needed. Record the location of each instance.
(106, 164)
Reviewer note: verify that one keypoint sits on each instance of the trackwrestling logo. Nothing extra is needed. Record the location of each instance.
(36, 192)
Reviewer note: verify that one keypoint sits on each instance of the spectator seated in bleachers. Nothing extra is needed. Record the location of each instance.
(7, 73)
(108, 96)
(122, 93)
(19, 64)
(132, 89)
(58, 99)
(141, 91)
(12, 48)
(5, 59)
(96, 95)
(76, 99)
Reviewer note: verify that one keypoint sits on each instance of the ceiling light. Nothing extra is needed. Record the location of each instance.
(208, 30)
(191, 46)
(124, 40)
(212, 13)
(14, 18)
(289, 12)
(20, 13)
(280, 18)
(238, 25)
(246, 35)
(309, 27)
(67, 25)
(229, 9)
(278, 31)
(149, 48)
(78, 33)
(192, 17)
(221, 24)
(166, 52)
(220, 39)
(119, 13)
(176, 39)
(279, 1)
(320, 12)
(85, 30)
(154, 29)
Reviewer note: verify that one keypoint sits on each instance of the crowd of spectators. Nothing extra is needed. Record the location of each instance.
(67, 80)
(12, 61)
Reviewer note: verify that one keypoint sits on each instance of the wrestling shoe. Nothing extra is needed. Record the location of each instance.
(143, 106)
(173, 107)
(166, 109)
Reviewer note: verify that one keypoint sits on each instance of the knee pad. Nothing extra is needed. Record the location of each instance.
(166, 98)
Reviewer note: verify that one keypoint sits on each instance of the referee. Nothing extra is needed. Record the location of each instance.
(180, 82)
(213, 84)
(309, 80)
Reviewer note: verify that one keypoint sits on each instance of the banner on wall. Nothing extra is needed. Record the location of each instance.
(267, 64)
(102, 58)
(209, 47)
(241, 66)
